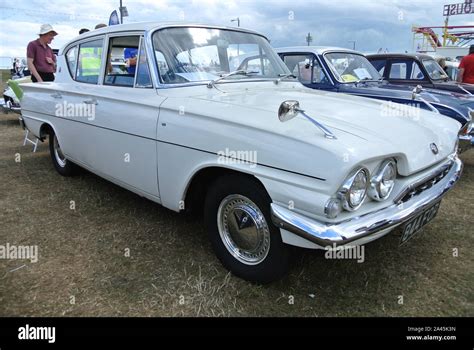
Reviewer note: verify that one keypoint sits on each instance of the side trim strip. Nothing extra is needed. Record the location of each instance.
(176, 144)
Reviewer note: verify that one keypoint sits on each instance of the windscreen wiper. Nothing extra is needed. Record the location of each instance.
(212, 83)
(284, 76)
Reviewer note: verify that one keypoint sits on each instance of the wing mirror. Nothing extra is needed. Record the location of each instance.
(291, 108)
(288, 110)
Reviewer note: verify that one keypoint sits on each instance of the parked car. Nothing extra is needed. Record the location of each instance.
(349, 72)
(416, 69)
(11, 102)
(269, 162)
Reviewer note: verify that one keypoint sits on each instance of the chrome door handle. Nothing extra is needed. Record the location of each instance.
(91, 102)
(57, 95)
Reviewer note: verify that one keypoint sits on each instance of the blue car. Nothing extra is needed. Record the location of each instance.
(350, 72)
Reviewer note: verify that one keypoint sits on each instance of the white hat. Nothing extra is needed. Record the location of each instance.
(46, 28)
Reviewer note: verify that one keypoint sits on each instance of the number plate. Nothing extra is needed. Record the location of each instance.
(415, 225)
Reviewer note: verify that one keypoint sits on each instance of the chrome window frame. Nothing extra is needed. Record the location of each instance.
(154, 64)
(72, 75)
(143, 42)
(423, 60)
(111, 36)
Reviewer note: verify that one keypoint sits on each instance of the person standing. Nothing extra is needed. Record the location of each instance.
(466, 68)
(40, 57)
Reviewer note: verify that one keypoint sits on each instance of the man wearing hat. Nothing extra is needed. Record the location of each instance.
(466, 68)
(41, 59)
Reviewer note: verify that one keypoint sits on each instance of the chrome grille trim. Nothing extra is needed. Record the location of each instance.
(424, 184)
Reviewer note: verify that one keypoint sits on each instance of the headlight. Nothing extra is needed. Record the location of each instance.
(383, 181)
(354, 190)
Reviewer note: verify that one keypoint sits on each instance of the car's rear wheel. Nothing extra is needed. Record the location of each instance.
(237, 214)
(63, 166)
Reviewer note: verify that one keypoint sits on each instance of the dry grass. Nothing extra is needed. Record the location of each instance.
(172, 271)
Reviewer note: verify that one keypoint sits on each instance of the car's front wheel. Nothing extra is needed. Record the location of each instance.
(237, 214)
(63, 166)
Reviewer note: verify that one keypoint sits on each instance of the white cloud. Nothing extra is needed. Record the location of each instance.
(372, 24)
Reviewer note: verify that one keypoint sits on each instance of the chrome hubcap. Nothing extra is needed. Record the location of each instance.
(243, 229)
(58, 154)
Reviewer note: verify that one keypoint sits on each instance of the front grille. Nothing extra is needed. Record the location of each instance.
(424, 184)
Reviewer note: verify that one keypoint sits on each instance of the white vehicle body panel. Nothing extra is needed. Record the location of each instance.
(171, 134)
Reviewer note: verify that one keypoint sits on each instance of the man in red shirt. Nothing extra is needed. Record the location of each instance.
(41, 59)
(466, 68)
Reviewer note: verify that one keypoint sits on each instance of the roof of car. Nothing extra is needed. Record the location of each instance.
(147, 26)
(319, 50)
(400, 55)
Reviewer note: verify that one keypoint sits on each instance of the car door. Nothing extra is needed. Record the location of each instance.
(118, 140)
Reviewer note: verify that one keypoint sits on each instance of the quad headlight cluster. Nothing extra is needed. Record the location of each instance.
(359, 185)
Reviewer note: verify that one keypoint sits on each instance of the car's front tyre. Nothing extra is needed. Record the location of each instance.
(237, 214)
(63, 166)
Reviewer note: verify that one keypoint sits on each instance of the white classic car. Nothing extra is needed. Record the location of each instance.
(270, 162)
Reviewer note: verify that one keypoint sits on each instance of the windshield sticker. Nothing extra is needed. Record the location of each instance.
(349, 78)
(362, 73)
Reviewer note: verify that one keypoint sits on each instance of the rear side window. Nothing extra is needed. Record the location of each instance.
(71, 58)
(398, 70)
(406, 69)
(90, 61)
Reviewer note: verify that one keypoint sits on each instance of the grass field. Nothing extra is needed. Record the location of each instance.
(116, 254)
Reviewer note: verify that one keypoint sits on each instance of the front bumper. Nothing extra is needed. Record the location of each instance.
(340, 234)
(466, 142)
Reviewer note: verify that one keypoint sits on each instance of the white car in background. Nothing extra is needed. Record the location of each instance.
(270, 162)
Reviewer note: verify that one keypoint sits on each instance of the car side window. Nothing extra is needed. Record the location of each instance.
(406, 69)
(319, 76)
(122, 59)
(90, 61)
(300, 66)
(398, 70)
(71, 59)
(416, 73)
(379, 65)
(143, 71)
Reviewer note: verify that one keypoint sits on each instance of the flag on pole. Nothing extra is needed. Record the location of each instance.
(114, 18)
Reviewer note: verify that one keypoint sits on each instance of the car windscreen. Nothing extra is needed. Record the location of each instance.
(193, 55)
(434, 70)
(349, 67)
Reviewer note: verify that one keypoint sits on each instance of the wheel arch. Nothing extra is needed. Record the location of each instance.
(195, 191)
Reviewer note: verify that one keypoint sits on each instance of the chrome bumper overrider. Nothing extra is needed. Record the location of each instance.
(354, 229)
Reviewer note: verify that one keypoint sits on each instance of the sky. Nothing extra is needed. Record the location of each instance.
(372, 24)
